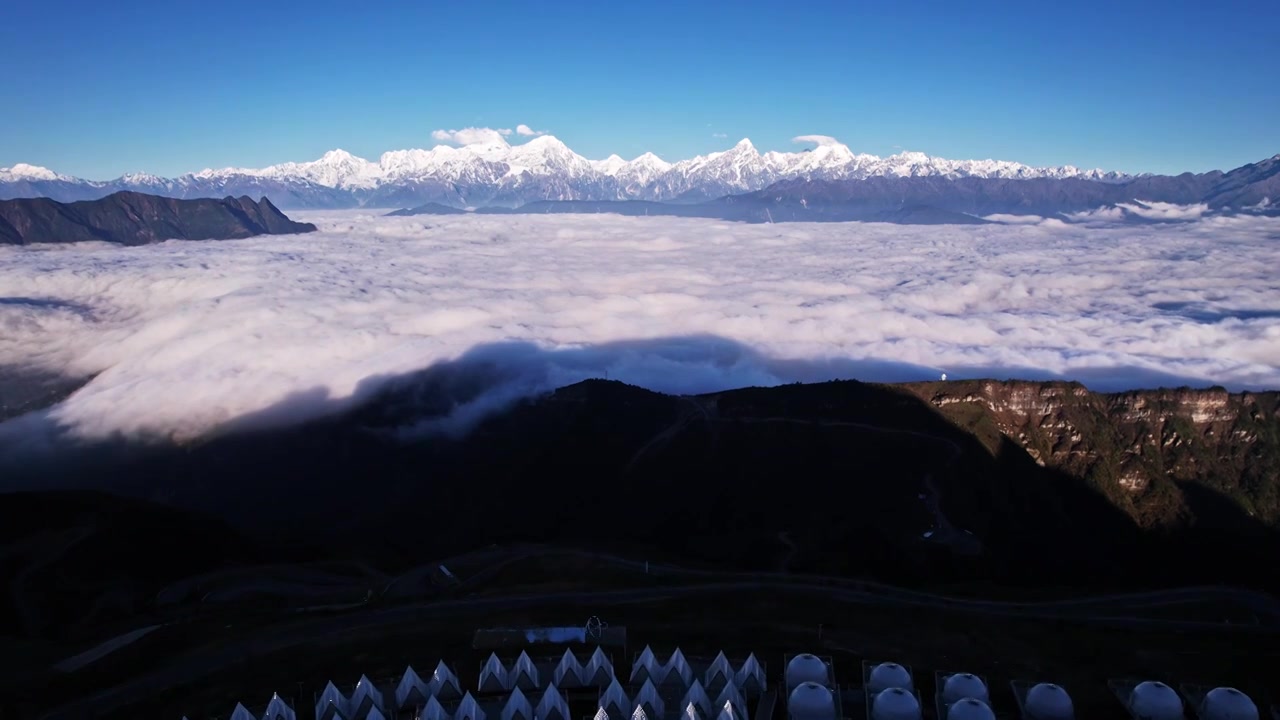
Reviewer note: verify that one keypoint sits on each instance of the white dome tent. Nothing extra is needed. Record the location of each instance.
(1152, 700)
(1047, 701)
(1226, 703)
(886, 675)
(970, 709)
(811, 701)
(895, 704)
(958, 686)
(807, 668)
(493, 676)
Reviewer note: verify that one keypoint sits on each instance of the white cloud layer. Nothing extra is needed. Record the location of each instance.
(186, 336)
(527, 131)
(470, 136)
(816, 139)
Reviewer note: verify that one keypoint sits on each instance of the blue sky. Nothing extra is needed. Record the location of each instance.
(97, 89)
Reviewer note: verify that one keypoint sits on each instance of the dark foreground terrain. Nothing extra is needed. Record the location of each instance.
(132, 218)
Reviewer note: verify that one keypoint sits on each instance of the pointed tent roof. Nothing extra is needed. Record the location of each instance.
(598, 670)
(731, 695)
(649, 697)
(568, 672)
(412, 690)
(552, 706)
(523, 672)
(614, 699)
(677, 669)
(443, 683)
(433, 710)
(278, 709)
(698, 697)
(468, 709)
(720, 671)
(331, 701)
(517, 707)
(645, 666)
(366, 695)
(639, 713)
(730, 712)
(750, 677)
(601, 714)
(242, 713)
(493, 676)
(692, 712)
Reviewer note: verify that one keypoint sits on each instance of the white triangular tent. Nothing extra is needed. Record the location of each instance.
(730, 695)
(332, 703)
(692, 712)
(601, 714)
(412, 690)
(242, 713)
(720, 672)
(677, 671)
(730, 712)
(278, 709)
(750, 677)
(697, 696)
(649, 698)
(443, 683)
(614, 700)
(468, 709)
(568, 673)
(493, 676)
(598, 672)
(639, 713)
(552, 706)
(523, 673)
(433, 710)
(364, 698)
(645, 667)
(517, 707)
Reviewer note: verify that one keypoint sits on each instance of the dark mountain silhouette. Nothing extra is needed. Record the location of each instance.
(982, 483)
(131, 218)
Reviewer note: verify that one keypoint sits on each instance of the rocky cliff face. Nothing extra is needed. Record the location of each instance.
(1147, 450)
(131, 218)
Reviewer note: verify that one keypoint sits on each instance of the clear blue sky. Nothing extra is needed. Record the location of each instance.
(96, 89)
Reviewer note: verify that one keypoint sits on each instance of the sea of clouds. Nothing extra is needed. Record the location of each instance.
(182, 338)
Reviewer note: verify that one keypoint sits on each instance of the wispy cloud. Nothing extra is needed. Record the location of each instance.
(182, 337)
(527, 131)
(719, 135)
(470, 136)
(816, 139)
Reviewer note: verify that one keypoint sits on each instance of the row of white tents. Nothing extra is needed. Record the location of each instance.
(748, 677)
(694, 704)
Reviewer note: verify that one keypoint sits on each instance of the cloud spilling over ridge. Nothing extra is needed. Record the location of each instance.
(185, 337)
(819, 140)
(527, 131)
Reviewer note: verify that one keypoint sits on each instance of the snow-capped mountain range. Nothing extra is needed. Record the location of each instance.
(544, 168)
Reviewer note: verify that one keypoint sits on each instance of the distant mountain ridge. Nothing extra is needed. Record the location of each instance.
(131, 218)
(496, 173)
